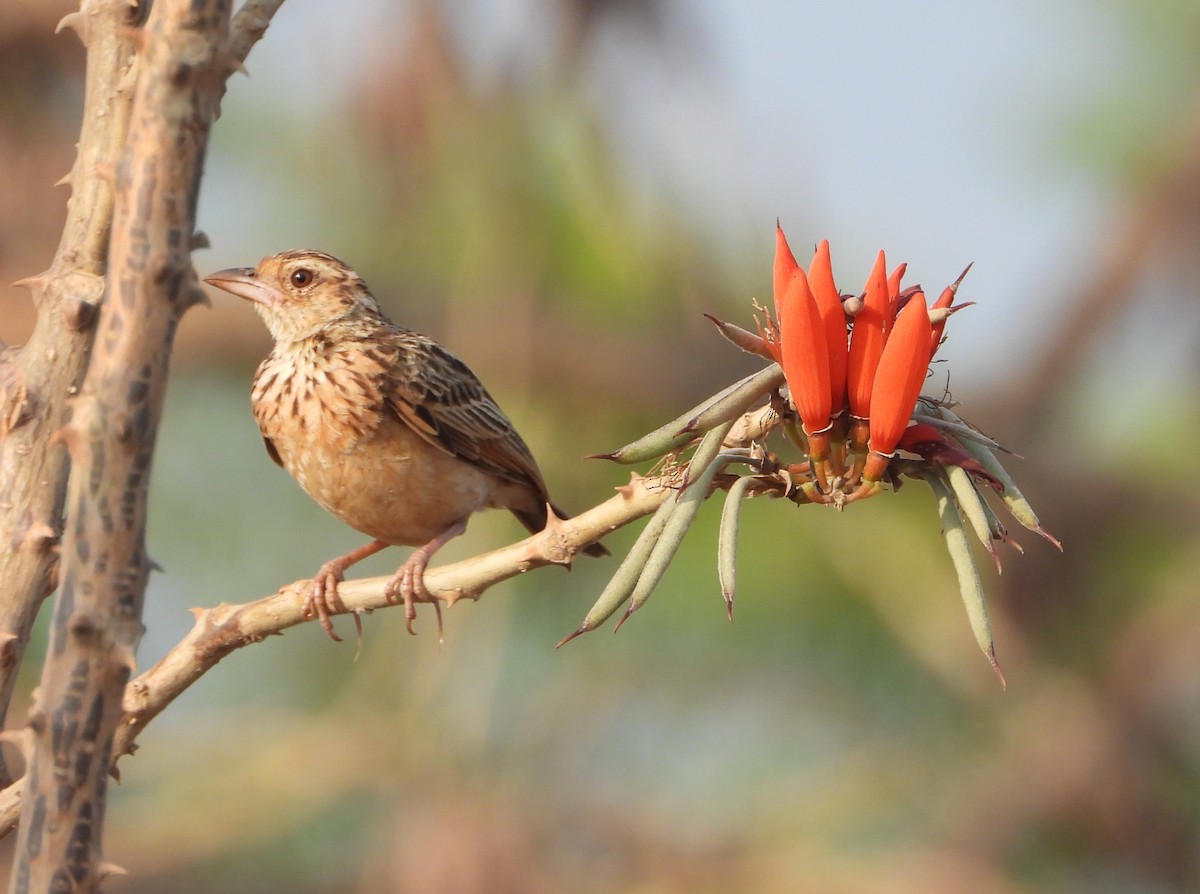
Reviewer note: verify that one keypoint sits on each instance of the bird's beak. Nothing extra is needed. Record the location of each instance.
(245, 283)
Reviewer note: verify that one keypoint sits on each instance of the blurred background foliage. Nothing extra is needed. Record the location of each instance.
(558, 190)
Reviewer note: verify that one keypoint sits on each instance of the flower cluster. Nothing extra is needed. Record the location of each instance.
(854, 367)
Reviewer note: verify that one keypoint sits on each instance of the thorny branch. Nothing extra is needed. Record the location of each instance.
(151, 97)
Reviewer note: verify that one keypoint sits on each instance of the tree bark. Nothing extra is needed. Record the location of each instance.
(110, 437)
(37, 380)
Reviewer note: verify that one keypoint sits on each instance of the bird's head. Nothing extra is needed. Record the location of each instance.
(299, 293)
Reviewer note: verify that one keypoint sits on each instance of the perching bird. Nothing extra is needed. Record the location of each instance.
(382, 426)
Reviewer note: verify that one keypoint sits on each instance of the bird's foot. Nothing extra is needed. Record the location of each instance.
(320, 601)
(407, 585)
(323, 600)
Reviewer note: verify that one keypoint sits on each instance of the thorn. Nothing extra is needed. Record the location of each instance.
(625, 617)
(154, 566)
(991, 657)
(991, 550)
(583, 628)
(64, 180)
(105, 869)
(628, 490)
(78, 23)
(200, 240)
(612, 456)
(358, 634)
(38, 280)
(1049, 537)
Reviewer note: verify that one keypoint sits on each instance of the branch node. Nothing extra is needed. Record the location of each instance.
(40, 536)
(80, 314)
(554, 545)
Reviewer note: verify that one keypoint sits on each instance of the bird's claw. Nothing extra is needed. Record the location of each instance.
(319, 601)
(407, 585)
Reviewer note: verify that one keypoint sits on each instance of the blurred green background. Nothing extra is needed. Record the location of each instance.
(558, 191)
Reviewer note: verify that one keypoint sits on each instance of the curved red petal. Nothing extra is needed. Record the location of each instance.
(833, 318)
(894, 279)
(867, 340)
(804, 355)
(785, 263)
(900, 375)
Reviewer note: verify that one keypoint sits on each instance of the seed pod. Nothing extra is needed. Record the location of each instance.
(727, 540)
(1017, 505)
(687, 506)
(969, 585)
(621, 584)
(972, 507)
(683, 429)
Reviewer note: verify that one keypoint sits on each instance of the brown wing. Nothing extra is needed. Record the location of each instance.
(441, 399)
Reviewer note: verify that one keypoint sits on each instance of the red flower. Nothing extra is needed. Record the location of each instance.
(785, 263)
(893, 282)
(833, 318)
(899, 377)
(867, 340)
(803, 353)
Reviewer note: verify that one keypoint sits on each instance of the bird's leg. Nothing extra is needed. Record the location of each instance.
(408, 583)
(319, 600)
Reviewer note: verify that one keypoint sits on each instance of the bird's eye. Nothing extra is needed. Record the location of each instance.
(302, 277)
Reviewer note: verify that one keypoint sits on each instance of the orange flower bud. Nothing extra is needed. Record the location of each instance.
(894, 279)
(785, 263)
(900, 375)
(833, 319)
(943, 303)
(867, 340)
(803, 353)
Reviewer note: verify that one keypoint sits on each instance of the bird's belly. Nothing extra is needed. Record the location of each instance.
(390, 485)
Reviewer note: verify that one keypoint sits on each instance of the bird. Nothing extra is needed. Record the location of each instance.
(382, 426)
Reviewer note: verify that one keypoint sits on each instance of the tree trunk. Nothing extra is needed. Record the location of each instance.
(110, 437)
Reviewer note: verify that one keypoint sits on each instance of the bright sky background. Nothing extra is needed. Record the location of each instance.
(934, 130)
